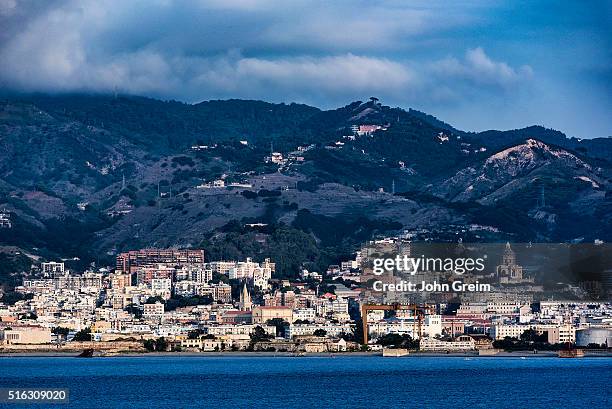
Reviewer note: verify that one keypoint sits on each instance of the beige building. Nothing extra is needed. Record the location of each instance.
(262, 314)
(559, 334)
(101, 326)
(218, 292)
(204, 344)
(155, 309)
(119, 280)
(26, 335)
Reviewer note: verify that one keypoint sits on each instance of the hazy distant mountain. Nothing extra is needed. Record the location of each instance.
(90, 175)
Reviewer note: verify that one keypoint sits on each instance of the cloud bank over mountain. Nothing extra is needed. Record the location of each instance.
(426, 55)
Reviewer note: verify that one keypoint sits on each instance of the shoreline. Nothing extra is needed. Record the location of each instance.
(265, 354)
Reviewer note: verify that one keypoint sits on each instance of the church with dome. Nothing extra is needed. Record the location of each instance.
(509, 271)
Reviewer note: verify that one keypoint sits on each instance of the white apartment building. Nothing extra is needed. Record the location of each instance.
(201, 275)
(332, 306)
(503, 308)
(52, 269)
(191, 273)
(430, 327)
(487, 309)
(222, 267)
(36, 286)
(238, 329)
(348, 265)
(331, 330)
(260, 274)
(261, 277)
(186, 288)
(304, 314)
(557, 334)
(502, 331)
(162, 287)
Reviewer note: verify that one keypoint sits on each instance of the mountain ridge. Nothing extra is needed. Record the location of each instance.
(127, 172)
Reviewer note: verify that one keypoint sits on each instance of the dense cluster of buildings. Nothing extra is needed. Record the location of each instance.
(236, 305)
(5, 219)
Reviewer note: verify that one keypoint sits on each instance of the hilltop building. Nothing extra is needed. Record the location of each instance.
(5, 219)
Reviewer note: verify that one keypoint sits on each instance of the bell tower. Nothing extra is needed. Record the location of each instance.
(245, 303)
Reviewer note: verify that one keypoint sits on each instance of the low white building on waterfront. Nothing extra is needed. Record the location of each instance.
(461, 343)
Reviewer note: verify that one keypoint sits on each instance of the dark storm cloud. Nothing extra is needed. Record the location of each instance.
(426, 55)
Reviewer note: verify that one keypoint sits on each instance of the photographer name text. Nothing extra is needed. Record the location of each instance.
(431, 287)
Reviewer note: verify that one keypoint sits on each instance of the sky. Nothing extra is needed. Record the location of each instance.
(479, 65)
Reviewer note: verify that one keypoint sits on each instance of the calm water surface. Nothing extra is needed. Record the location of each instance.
(339, 382)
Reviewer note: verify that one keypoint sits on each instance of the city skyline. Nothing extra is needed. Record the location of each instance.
(170, 299)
